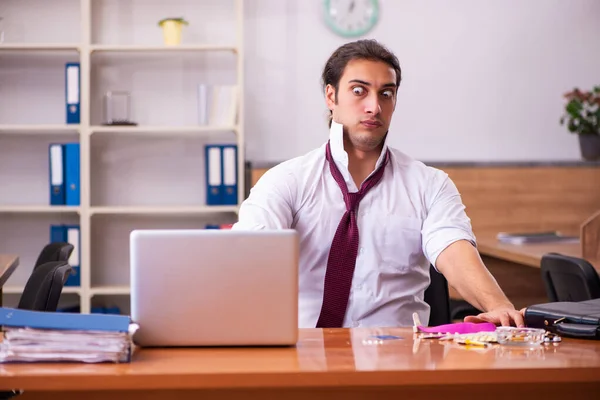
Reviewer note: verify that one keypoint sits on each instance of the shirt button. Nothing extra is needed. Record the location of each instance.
(358, 287)
(355, 324)
(362, 250)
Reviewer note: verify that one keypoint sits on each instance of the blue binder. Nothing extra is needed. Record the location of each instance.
(57, 233)
(230, 174)
(70, 234)
(72, 173)
(72, 92)
(106, 310)
(56, 174)
(214, 175)
(61, 320)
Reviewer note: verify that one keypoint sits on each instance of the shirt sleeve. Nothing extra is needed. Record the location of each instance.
(446, 221)
(271, 201)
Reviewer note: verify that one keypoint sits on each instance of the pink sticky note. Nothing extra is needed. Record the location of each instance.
(460, 328)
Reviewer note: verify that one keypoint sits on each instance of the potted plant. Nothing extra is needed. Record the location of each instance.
(172, 30)
(582, 116)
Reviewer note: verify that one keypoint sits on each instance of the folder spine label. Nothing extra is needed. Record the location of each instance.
(214, 179)
(230, 175)
(57, 183)
(72, 92)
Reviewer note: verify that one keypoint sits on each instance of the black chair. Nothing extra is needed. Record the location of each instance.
(42, 292)
(56, 251)
(44, 286)
(459, 309)
(569, 278)
(438, 298)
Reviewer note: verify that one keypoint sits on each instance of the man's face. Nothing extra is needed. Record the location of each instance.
(366, 99)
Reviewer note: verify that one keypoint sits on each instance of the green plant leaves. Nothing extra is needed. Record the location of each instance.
(572, 127)
(582, 112)
(574, 107)
(178, 19)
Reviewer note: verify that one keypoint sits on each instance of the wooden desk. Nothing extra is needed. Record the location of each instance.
(517, 267)
(325, 364)
(529, 254)
(8, 264)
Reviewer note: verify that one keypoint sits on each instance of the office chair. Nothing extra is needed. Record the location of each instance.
(459, 309)
(43, 289)
(44, 286)
(438, 298)
(56, 251)
(569, 278)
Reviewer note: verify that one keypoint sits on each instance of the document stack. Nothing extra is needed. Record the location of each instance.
(534, 237)
(33, 336)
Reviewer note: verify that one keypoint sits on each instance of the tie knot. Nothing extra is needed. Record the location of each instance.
(353, 200)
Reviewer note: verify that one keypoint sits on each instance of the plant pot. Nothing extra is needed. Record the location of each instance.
(171, 32)
(590, 147)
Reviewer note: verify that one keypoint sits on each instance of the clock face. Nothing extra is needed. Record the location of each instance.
(351, 18)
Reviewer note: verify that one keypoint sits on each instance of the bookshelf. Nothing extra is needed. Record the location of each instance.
(180, 48)
(150, 175)
(25, 129)
(164, 210)
(38, 46)
(161, 130)
(15, 209)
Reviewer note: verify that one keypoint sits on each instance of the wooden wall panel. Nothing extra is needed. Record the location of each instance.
(500, 198)
(528, 199)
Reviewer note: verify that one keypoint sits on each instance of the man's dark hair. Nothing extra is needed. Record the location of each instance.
(358, 50)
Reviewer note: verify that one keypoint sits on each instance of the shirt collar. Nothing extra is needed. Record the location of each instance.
(336, 141)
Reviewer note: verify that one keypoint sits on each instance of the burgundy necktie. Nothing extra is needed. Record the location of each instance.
(342, 255)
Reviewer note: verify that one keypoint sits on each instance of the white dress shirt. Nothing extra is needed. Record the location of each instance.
(404, 223)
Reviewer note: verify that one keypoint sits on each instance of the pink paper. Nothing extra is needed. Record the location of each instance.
(460, 328)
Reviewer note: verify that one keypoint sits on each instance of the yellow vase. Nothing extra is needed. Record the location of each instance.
(171, 32)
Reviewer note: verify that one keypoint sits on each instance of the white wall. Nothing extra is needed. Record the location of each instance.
(482, 80)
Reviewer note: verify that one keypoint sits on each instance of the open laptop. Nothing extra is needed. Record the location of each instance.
(214, 287)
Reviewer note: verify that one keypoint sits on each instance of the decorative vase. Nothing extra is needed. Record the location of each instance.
(171, 32)
(590, 147)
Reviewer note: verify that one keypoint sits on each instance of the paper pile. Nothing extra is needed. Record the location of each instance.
(39, 345)
(32, 336)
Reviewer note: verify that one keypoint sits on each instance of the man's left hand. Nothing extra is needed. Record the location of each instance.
(505, 316)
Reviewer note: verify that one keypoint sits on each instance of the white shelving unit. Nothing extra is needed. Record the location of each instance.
(161, 130)
(38, 129)
(132, 177)
(163, 210)
(38, 46)
(38, 209)
(180, 48)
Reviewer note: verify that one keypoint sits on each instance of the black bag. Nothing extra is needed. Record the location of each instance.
(570, 319)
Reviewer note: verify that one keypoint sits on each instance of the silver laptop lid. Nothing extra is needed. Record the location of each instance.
(214, 287)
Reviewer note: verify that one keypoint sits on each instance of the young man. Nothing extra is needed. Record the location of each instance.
(370, 218)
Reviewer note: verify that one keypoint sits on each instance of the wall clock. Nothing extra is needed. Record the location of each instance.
(351, 18)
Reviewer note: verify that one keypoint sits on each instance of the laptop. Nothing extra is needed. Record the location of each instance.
(214, 287)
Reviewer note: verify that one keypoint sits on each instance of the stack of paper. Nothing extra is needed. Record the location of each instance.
(534, 237)
(30, 336)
